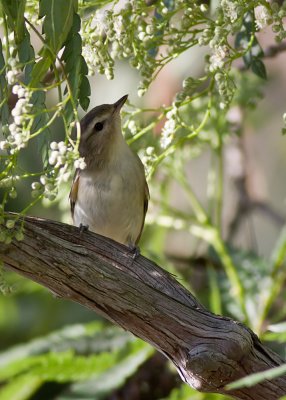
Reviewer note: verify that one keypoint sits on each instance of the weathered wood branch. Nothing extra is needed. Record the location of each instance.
(209, 351)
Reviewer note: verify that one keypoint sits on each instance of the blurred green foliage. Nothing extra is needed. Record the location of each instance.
(52, 349)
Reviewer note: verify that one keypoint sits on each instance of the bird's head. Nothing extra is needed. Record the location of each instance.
(99, 129)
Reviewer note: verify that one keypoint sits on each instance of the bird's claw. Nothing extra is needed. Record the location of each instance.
(135, 251)
(83, 228)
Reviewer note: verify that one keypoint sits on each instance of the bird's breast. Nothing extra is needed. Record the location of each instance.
(110, 201)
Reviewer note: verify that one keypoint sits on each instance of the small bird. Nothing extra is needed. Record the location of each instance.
(110, 196)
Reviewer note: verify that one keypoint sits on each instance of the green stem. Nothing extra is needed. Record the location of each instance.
(200, 213)
(212, 235)
(237, 289)
(44, 127)
(219, 185)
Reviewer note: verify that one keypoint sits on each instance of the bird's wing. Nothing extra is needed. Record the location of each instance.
(145, 208)
(74, 190)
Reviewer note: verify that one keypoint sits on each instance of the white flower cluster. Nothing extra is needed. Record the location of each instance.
(146, 32)
(118, 26)
(9, 182)
(262, 17)
(90, 59)
(229, 9)
(169, 128)
(62, 156)
(80, 163)
(46, 186)
(148, 157)
(99, 21)
(32, 12)
(218, 57)
(132, 127)
(91, 34)
(19, 128)
(12, 62)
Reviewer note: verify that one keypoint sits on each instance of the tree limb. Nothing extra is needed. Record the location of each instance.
(209, 351)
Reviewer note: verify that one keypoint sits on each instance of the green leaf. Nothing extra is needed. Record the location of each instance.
(14, 10)
(20, 21)
(252, 59)
(95, 336)
(277, 328)
(215, 295)
(279, 252)
(20, 388)
(84, 93)
(67, 366)
(76, 69)
(185, 392)
(41, 120)
(258, 377)
(258, 68)
(58, 21)
(101, 386)
(26, 56)
(40, 68)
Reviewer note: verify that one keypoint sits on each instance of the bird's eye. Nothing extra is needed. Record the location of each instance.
(98, 126)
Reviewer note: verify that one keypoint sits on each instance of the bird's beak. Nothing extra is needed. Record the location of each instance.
(119, 103)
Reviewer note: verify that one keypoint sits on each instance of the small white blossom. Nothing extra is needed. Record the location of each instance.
(36, 185)
(149, 29)
(167, 134)
(54, 146)
(4, 145)
(262, 17)
(150, 150)
(15, 89)
(141, 92)
(64, 174)
(80, 163)
(148, 157)
(43, 179)
(229, 9)
(12, 62)
(99, 21)
(13, 193)
(141, 35)
(18, 119)
(118, 26)
(11, 37)
(6, 182)
(12, 76)
(63, 149)
(217, 59)
(61, 144)
(21, 92)
(203, 8)
(132, 127)
(10, 223)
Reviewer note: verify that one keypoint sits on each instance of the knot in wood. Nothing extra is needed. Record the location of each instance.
(208, 369)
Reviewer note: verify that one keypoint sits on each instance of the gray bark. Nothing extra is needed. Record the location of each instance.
(209, 351)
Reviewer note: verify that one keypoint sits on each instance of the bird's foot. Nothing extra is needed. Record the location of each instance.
(82, 229)
(135, 251)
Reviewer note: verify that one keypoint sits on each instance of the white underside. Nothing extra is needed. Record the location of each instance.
(112, 204)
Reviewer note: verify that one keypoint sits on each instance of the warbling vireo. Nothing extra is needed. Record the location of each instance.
(111, 194)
